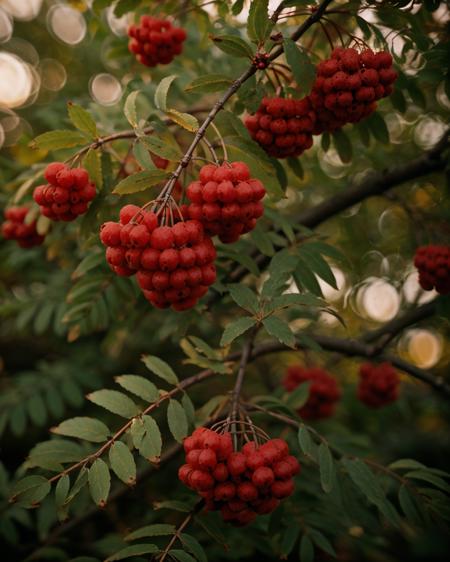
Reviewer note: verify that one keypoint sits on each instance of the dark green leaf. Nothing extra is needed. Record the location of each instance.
(280, 330)
(343, 145)
(259, 24)
(326, 466)
(140, 181)
(298, 397)
(306, 549)
(235, 329)
(133, 551)
(209, 83)
(162, 91)
(115, 402)
(122, 463)
(155, 530)
(160, 368)
(244, 297)
(378, 127)
(233, 45)
(83, 428)
(178, 423)
(99, 482)
(302, 68)
(139, 386)
(30, 491)
(82, 120)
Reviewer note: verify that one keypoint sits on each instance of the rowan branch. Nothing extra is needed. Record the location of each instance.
(376, 184)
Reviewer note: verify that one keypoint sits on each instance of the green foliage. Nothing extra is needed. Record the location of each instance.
(72, 328)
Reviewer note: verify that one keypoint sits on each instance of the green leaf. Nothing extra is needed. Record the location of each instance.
(289, 538)
(93, 165)
(55, 140)
(139, 386)
(259, 25)
(408, 505)
(181, 555)
(115, 402)
(155, 530)
(162, 91)
(365, 480)
(140, 181)
(326, 467)
(299, 396)
(343, 145)
(305, 278)
(30, 491)
(160, 368)
(378, 127)
(322, 542)
(122, 463)
(89, 429)
(130, 108)
(178, 423)
(99, 482)
(185, 120)
(235, 329)
(160, 146)
(209, 83)
(134, 550)
(320, 266)
(192, 544)
(302, 68)
(280, 330)
(80, 483)
(50, 454)
(306, 443)
(82, 120)
(124, 6)
(296, 166)
(36, 409)
(306, 552)
(147, 438)
(233, 45)
(244, 297)
(430, 478)
(61, 490)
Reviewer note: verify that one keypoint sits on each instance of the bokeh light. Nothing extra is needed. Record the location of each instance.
(19, 81)
(53, 74)
(377, 299)
(428, 132)
(119, 26)
(24, 10)
(414, 293)
(105, 89)
(6, 26)
(67, 24)
(330, 293)
(424, 347)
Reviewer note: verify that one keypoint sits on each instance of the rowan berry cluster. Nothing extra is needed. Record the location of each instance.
(283, 127)
(15, 228)
(241, 484)
(324, 391)
(155, 41)
(174, 265)
(433, 263)
(226, 200)
(378, 384)
(347, 86)
(67, 194)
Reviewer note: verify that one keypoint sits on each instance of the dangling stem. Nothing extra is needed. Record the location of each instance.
(235, 397)
(211, 149)
(224, 148)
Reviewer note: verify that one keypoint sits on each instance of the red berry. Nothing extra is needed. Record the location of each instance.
(162, 238)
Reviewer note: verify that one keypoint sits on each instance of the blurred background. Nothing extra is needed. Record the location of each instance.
(54, 51)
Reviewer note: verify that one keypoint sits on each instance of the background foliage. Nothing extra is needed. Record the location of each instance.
(72, 332)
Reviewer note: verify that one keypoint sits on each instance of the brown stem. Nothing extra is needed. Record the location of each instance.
(183, 525)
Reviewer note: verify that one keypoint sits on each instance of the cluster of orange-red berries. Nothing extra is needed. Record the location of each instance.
(240, 484)
(433, 264)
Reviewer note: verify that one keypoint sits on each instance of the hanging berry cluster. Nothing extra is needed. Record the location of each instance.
(348, 85)
(324, 391)
(378, 384)
(226, 200)
(15, 228)
(346, 90)
(240, 484)
(433, 263)
(174, 265)
(67, 194)
(155, 41)
(283, 127)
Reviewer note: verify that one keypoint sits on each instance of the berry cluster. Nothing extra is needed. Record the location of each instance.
(226, 200)
(433, 263)
(378, 384)
(283, 127)
(155, 41)
(67, 193)
(15, 228)
(241, 484)
(324, 391)
(174, 265)
(347, 86)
